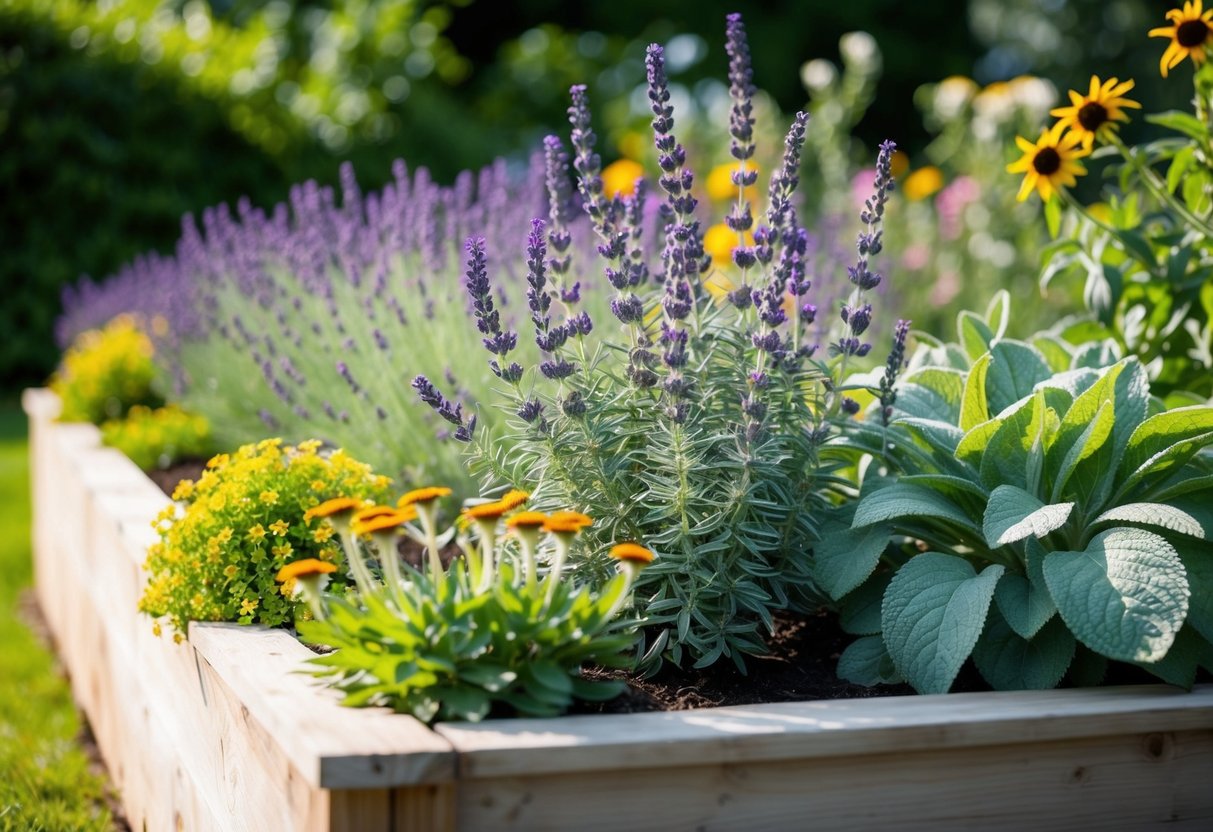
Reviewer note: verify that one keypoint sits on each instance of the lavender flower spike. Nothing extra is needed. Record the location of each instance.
(892, 368)
(497, 341)
(741, 90)
(444, 407)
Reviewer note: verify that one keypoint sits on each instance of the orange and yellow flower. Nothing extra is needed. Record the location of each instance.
(527, 520)
(329, 508)
(423, 495)
(306, 568)
(1191, 33)
(1094, 115)
(1050, 164)
(619, 178)
(567, 522)
(632, 553)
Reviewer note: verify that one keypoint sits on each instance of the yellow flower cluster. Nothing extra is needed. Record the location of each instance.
(239, 523)
(158, 437)
(1051, 162)
(105, 372)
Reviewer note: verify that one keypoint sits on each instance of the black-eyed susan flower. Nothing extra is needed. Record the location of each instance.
(922, 183)
(1051, 163)
(370, 513)
(514, 498)
(423, 495)
(374, 520)
(1191, 32)
(487, 511)
(1094, 115)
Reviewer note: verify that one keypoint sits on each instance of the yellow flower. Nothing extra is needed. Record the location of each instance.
(1095, 114)
(183, 490)
(224, 535)
(486, 511)
(567, 522)
(318, 485)
(306, 568)
(514, 498)
(1190, 32)
(527, 519)
(720, 185)
(322, 534)
(423, 495)
(619, 178)
(632, 553)
(329, 508)
(282, 551)
(280, 527)
(384, 522)
(922, 183)
(720, 240)
(218, 461)
(257, 532)
(1050, 163)
(231, 570)
(248, 607)
(270, 498)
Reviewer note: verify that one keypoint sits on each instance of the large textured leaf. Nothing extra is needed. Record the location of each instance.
(1182, 661)
(1162, 515)
(931, 393)
(1013, 514)
(975, 334)
(974, 409)
(1025, 607)
(859, 612)
(973, 446)
(1015, 370)
(943, 436)
(1197, 559)
(866, 662)
(1061, 461)
(933, 612)
(845, 557)
(1158, 433)
(1124, 596)
(899, 501)
(1009, 662)
(1162, 464)
(1015, 451)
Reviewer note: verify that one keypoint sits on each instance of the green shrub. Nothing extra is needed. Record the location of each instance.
(238, 524)
(158, 438)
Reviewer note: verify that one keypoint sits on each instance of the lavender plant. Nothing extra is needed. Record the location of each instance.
(691, 422)
(311, 319)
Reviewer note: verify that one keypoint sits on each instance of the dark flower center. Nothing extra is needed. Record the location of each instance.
(1046, 161)
(1191, 33)
(1092, 115)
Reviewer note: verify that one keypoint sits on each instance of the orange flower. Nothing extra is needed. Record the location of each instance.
(567, 522)
(486, 511)
(371, 512)
(632, 553)
(514, 498)
(384, 522)
(306, 568)
(329, 508)
(527, 520)
(423, 495)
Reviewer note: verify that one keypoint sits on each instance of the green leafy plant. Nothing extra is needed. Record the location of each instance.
(452, 643)
(105, 372)
(156, 438)
(1066, 519)
(238, 524)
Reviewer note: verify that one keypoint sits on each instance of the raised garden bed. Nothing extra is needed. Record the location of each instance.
(222, 732)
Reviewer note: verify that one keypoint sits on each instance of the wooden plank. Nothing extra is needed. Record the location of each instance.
(425, 808)
(1127, 782)
(819, 729)
(333, 747)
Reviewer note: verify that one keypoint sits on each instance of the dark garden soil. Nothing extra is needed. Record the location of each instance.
(804, 651)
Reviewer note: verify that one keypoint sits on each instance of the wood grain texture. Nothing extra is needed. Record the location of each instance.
(332, 746)
(1127, 782)
(752, 733)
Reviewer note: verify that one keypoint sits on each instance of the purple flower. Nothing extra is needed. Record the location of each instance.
(892, 368)
(741, 90)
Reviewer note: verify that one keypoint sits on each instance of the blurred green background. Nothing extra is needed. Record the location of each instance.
(118, 116)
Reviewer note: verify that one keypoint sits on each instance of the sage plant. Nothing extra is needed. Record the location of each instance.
(687, 420)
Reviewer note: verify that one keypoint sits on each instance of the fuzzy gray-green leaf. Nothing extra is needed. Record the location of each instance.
(933, 612)
(1124, 596)
(1013, 514)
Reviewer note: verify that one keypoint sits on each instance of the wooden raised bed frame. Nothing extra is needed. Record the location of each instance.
(222, 733)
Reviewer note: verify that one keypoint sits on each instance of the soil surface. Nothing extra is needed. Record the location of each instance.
(804, 651)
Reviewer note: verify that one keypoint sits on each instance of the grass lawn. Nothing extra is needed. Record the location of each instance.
(45, 782)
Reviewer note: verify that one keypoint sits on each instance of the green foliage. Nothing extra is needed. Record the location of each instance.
(105, 373)
(1062, 507)
(1146, 264)
(48, 783)
(451, 651)
(98, 162)
(158, 438)
(243, 519)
